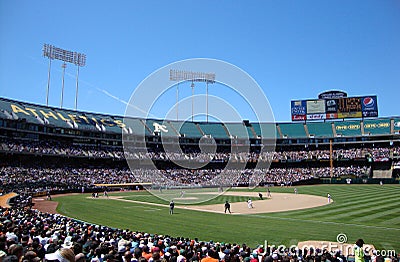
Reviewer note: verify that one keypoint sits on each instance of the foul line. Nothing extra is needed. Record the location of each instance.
(323, 222)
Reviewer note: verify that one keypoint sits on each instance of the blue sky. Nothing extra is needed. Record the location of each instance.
(293, 49)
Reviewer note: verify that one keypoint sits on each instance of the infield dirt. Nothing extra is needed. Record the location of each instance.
(278, 202)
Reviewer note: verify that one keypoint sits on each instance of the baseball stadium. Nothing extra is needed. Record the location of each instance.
(328, 181)
(199, 131)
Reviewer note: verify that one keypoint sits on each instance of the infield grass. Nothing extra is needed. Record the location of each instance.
(371, 212)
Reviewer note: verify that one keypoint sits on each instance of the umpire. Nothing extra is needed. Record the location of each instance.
(227, 207)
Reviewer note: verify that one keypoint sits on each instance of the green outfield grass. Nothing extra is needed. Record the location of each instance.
(371, 212)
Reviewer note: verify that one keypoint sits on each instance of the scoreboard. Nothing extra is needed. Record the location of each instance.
(334, 108)
(349, 104)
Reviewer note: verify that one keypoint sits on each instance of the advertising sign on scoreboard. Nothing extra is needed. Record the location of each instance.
(349, 115)
(298, 109)
(316, 116)
(334, 107)
(369, 106)
(331, 105)
(332, 94)
(316, 106)
(331, 116)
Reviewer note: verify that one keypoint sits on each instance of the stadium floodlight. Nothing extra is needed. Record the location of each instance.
(182, 75)
(63, 66)
(66, 56)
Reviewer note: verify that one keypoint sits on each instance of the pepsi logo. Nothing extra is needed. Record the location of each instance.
(368, 102)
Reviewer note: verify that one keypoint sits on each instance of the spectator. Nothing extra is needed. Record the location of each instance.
(359, 251)
(62, 255)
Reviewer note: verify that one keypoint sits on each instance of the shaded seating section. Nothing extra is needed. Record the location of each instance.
(104, 123)
(348, 128)
(396, 125)
(44, 115)
(250, 130)
(59, 118)
(377, 126)
(320, 129)
(162, 127)
(266, 130)
(21, 112)
(214, 129)
(291, 130)
(187, 129)
(136, 126)
(238, 130)
(31, 113)
(64, 118)
(83, 120)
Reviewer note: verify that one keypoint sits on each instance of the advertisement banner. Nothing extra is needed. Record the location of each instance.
(332, 94)
(298, 109)
(347, 126)
(316, 116)
(369, 103)
(369, 113)
(384, 124)
(369, 106)
(331, 105)
(298, 117)
(331, 116)
(350, 115)
(315, 106)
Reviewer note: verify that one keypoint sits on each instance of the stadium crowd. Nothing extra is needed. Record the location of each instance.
(38, 179)
(56, 148)
(33, 236)
(29, 235)
(31, 180)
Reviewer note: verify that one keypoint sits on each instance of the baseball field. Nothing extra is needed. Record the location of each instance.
(371, 212)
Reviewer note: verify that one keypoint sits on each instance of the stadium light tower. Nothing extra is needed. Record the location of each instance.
(181, 75)
(66, 56)
(63, 66)
(79, 60)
